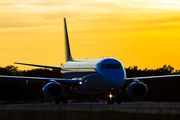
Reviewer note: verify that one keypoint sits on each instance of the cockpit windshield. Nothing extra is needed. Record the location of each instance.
(102, 66)
(111, 66)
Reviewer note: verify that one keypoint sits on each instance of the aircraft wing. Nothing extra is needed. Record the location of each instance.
(153, 77)
(52, 67)
(41, 79)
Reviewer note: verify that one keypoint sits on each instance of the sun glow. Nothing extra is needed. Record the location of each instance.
(137, 32)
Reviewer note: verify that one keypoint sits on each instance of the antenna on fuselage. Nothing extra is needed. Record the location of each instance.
(68, 56)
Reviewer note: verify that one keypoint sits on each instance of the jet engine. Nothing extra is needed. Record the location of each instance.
(137, 90)
(53, 90)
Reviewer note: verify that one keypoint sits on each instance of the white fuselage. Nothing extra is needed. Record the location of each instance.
(109, 72)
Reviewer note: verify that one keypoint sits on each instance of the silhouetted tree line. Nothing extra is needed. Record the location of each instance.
(133, 71)
(18, 89)
(159, 90)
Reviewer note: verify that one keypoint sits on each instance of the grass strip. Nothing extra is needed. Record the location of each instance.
(81, 115)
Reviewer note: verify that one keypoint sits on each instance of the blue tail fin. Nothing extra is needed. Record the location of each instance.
(68, 56)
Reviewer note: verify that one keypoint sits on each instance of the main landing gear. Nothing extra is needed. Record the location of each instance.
(64, 100)
(118, 98)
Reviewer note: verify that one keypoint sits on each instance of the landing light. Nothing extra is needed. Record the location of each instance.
(80, 83)
(110, 96)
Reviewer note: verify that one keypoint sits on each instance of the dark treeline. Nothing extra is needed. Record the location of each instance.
(165, 70)
(164, 90)
(19, 90)
(159, 90)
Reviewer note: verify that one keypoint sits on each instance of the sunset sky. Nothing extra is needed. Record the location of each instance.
(145, 33)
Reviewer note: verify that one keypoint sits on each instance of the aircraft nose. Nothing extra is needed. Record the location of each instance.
(117, 83)
(116, 80)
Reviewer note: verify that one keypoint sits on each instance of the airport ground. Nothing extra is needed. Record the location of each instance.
(132, 107)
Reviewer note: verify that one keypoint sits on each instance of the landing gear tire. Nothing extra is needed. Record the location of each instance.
(118, 99)
(57, 102)
(65, 99)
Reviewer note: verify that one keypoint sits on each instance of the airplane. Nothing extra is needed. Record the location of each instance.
(102, 75)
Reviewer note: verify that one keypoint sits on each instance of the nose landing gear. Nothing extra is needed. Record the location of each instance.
(112, 98)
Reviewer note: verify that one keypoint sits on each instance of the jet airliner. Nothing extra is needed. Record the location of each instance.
(102, 75)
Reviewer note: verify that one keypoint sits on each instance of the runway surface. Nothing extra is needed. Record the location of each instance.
(139, 107)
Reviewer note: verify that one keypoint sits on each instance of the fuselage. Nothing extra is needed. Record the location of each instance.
(109, 72)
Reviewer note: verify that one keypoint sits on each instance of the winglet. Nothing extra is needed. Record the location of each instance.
(68, 56)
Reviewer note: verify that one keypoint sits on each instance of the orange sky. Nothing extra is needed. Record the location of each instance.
(145, 33)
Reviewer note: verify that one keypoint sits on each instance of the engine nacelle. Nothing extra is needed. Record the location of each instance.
(137, 90)
(53, 90)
